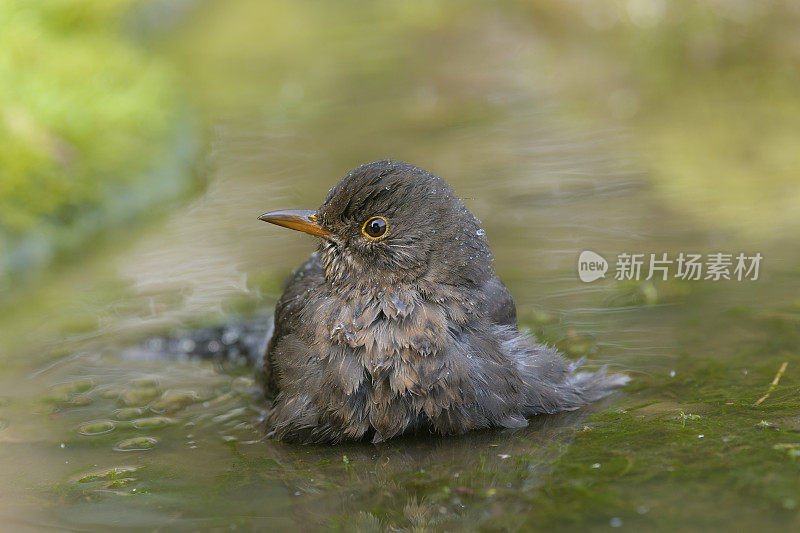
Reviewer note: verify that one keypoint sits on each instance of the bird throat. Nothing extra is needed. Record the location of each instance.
(387, 344)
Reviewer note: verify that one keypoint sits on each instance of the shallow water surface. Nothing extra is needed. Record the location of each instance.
(93, 439)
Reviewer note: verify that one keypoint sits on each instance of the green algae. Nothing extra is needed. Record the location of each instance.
(72, 74)
(129, 413)
(136, 444)
(174, 400)
(139, 396)
(667, 448)
(111, 474)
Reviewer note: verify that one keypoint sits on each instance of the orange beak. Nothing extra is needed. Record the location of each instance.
(299, 219)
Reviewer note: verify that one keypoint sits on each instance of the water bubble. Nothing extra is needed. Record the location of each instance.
(139, 396)
(480, 233)
(71, 394)
(153, 422)
(230, 336)
(136, 444)
(188, 345)
(97, 427)
(128, 413)
(174, 400)
(615, 522)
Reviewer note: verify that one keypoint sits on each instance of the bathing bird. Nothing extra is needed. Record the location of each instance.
(399, 324)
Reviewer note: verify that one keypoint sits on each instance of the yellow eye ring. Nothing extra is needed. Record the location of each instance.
(375, 228)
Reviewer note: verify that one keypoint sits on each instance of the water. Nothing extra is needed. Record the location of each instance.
(90, 439)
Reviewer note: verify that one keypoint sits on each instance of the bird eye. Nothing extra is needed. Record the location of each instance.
(375, 228)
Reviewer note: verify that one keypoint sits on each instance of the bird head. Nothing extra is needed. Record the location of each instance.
(389, 222)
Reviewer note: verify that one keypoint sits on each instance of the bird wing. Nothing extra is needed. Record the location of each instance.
(288, 312)
(498, 303)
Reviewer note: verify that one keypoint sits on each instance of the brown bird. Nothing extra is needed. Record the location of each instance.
(399, 324)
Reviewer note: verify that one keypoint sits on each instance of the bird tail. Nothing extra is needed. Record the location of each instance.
(237, 342)
(553, 383)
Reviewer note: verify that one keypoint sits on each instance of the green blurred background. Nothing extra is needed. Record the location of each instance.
(109, 100)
